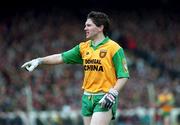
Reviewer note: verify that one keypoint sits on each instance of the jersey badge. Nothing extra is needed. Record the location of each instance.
(102, 53)
(87, 53)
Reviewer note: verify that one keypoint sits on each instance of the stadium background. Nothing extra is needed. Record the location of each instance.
(149, 31)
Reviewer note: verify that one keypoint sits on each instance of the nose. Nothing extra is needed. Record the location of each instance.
(85, 28)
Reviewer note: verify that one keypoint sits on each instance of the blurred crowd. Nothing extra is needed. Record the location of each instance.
(151, 42)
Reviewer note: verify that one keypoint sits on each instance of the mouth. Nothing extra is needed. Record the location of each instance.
(87, 33)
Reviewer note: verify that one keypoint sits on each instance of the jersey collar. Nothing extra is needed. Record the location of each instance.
(105, 40)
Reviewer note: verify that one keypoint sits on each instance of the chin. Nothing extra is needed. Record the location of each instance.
(89, 37)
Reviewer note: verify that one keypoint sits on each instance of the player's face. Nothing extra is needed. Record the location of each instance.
(91, 29)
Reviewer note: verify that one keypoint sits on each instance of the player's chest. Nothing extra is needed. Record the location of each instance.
(90, 53)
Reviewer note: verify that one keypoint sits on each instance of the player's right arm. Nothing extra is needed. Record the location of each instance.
(72, 56)
(49, 60)
(52, 59)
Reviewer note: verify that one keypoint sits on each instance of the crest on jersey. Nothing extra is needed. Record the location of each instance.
(87, 53)
(102, 53)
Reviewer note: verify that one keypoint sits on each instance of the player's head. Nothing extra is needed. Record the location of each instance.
(99, 20)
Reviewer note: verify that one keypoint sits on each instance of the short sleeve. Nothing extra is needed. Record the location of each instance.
(72, 56)
(120, 64)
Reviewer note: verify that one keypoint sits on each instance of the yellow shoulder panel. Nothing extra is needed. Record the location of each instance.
(114, 46)
(84, 45)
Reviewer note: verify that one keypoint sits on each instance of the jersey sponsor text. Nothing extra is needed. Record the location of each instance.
(88, 66)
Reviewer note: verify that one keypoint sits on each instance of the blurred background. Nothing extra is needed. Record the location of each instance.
(149, 32)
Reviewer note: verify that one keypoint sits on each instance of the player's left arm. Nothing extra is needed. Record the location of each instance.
(120, 84)
(121, 68)
(122, 74)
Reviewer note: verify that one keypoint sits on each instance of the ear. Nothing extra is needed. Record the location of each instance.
(101, 28)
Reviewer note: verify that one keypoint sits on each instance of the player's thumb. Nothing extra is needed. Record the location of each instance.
(102, 99)
(30, 68)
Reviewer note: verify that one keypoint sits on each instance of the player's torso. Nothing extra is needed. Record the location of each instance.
(98, 66)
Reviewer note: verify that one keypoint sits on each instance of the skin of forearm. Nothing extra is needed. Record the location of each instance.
(52, 59)
(120, 84)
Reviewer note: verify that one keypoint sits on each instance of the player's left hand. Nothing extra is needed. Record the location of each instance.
(109, 99)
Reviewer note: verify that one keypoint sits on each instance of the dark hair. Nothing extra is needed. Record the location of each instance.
(100, 18)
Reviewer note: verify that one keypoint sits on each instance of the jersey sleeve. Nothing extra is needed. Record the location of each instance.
(72, 56)
(120, 64)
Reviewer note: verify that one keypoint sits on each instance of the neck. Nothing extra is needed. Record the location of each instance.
(98, 39)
